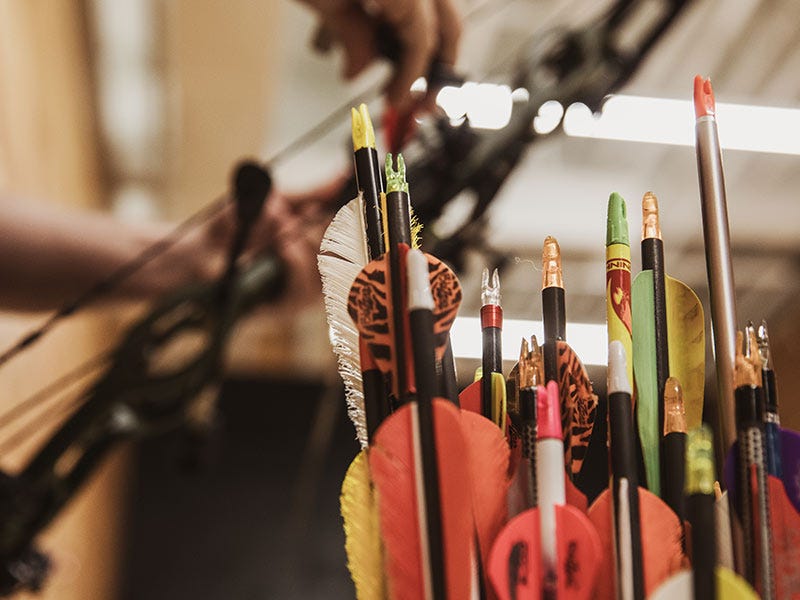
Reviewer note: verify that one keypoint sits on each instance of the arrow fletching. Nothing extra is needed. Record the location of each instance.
(369, 307)
(514, 563)
(488, 458)
(343, 253)
(578, 406)
(362, 531)
(687, 347)
(394, 469)
(729, 586)
(662, 541)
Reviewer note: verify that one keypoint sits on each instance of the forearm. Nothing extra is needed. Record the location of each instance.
(50, 256)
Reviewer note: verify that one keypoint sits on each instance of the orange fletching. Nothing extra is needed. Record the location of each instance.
(392, 465)
(369, 305)
(578, 406)
(488, 458)
(661, 542)
(514, 564)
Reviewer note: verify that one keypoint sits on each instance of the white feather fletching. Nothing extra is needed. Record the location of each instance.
(343, 253)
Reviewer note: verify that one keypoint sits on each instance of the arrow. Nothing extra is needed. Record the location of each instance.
(662, 534)
(637, 530)
(561, 364)
(772, 421)
(706, 579)
(716, 235)
(417, 458)
(551, 550)
(624, 479)
(674, 447)
(418, 451)
(492, 386)
(668, 340)
(752, 506)
(486, 395)
(354, 236)
(554, 316)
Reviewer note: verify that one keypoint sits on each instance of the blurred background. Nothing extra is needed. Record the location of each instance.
(142, 107)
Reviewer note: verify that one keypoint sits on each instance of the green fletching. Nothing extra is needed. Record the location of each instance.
(686, 343)
(644, 372)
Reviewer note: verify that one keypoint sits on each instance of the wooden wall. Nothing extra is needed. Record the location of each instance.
(48, 154)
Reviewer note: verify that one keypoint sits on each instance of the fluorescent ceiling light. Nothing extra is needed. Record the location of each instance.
(665, 121)
(486, 105)
(589, 340)
(549, 117)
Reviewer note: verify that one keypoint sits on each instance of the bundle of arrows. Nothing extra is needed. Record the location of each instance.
(482, 494)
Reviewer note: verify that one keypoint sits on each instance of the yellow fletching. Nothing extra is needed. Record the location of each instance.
(359, 508)
(499, 400)
(385, 220)
(416, 230)
(478, 374)
(730, 585)
(687, 347)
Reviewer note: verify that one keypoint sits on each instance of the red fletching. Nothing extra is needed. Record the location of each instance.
(470, 398)
(488, 459)
(520, 469)
(515, 456)
(392, 465)
(785, 528)
(662, 536)
(514, 563)
(574, 496)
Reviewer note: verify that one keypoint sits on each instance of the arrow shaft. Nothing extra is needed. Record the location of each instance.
(623, 467)
(398, 222)
(653, 259)
(491, 358)
(421, 323)
(369, 182)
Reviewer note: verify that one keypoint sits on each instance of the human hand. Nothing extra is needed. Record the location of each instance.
(290, 226)
(425, 29)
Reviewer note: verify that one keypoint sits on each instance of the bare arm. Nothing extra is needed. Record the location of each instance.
(49, 256)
